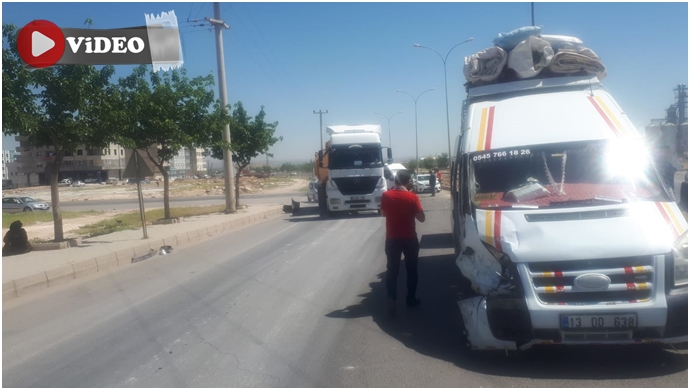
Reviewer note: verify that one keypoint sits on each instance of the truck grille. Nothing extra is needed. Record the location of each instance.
(631, 281)
(356, 185)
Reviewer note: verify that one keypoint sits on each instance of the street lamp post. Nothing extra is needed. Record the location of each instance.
(445, 76)
(416, 136)
(390, 143)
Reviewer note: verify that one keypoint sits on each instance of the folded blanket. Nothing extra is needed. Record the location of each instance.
(530, 56)
(485, 65)
(577, 60)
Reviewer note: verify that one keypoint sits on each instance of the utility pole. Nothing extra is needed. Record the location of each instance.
(321, 126)
(219, 25)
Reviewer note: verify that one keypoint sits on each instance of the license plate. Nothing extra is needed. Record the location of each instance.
(357, 198)
(599, 321)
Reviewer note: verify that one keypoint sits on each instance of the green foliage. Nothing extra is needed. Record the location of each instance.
(168, 110)
(60, 108)
(443, 161)
(412, 165)
(249, 138)
(429, 163)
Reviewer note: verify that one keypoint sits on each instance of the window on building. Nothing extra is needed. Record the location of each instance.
(68, 163)
(90, 163)
(80, 152)
(38, 153)
(122, 152)
(80, 163)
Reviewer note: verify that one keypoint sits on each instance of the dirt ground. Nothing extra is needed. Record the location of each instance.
(182, 188)
(178, 188)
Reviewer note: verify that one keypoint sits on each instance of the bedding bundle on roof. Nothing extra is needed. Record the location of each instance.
(525, 53)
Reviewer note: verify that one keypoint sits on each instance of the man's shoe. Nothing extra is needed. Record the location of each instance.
(413, 302)
(391, 308)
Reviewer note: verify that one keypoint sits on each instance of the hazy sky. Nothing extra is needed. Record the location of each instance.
(350, 58)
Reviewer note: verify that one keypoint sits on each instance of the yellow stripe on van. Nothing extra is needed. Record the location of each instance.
(676, 224)
(482, 129)
(611, 116)
(488, 229)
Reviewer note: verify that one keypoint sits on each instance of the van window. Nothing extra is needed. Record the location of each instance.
(568, 174)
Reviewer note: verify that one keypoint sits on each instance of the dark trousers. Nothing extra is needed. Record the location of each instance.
(395, 248)
(433, 188)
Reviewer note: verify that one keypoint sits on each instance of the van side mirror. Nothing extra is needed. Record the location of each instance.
(390, 153)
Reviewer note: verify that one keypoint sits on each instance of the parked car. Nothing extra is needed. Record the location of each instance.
(421, 184)
(313, 190)
(112, 180)
(18, 204)
(78, 183)
(91, 180)
(65, 183)
(390, 171)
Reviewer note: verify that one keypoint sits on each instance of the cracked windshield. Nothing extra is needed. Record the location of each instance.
(346, 195)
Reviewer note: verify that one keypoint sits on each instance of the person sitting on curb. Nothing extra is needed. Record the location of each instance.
(16, 240)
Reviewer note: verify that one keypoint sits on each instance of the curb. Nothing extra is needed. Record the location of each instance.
(23, 286)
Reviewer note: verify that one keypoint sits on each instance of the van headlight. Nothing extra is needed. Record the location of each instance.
(680, 260)
(502, 258)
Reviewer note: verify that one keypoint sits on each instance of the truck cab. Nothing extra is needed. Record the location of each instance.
(562, 225)
(355, 169)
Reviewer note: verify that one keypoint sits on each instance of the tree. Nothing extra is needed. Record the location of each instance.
(59, 108)
(287, 167)
(249, 138)
(429, 163)
(412, 166)
(169, 111)
(443, 160)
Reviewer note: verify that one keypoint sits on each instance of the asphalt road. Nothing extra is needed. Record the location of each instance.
(133, 204)
(290, 302)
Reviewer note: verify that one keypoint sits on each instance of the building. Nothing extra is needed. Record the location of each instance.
(187, 162)
(85, 164)
(8, 156)
(93, 165)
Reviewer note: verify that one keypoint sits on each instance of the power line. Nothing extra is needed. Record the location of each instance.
(274, 55)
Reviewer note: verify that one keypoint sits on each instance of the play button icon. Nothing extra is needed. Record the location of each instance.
(40, 43)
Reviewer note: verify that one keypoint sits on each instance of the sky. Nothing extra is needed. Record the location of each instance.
(350, 58)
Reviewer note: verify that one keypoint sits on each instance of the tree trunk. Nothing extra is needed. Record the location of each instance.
(166, 193)
(237, 188)
(55, 203)
(166, 184)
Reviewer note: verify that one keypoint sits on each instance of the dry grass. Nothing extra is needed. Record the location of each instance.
(132, 220)
(41, 216)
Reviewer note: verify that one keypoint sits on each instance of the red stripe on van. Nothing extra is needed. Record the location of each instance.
(603, 115)
(489, 129)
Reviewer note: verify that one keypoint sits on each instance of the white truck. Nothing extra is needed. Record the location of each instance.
(561, 223)
(355, 169)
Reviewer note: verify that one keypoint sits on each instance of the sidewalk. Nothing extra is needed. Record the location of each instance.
(34, 271)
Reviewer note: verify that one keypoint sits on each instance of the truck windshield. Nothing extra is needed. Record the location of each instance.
(561, 175)
(355, 156)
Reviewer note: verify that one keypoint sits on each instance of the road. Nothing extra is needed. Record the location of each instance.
(290, 302)
(133, 204)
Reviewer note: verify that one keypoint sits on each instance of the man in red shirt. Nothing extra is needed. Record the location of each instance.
(401, 207)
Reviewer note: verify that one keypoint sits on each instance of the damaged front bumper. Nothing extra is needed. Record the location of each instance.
(503, 323)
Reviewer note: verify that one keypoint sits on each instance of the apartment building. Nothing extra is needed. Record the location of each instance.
(85, 164)
(8, 156)
(187, 162)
